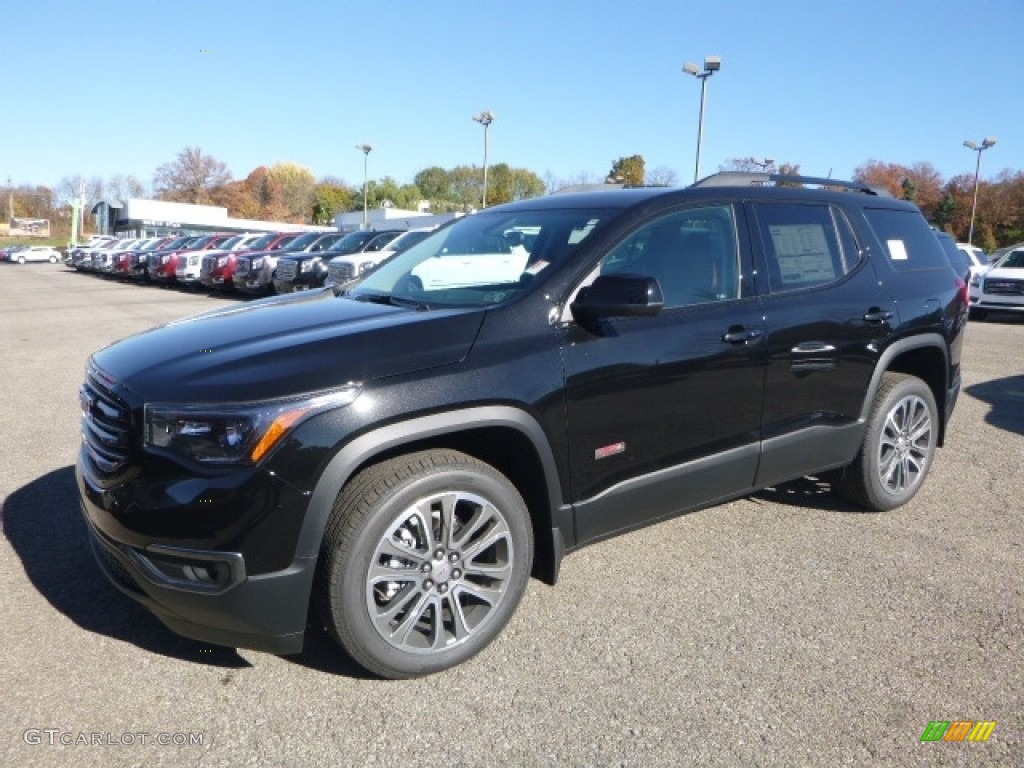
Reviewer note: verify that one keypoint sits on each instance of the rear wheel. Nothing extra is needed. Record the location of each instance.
(424, 560)
(898, 447)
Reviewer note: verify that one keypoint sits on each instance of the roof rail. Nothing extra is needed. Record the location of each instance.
(744, 178)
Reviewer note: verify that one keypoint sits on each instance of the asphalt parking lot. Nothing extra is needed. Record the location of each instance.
(782, 629)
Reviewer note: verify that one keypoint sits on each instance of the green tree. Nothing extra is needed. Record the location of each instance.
(434, 183)
(329, 199)
(630, 170)
(945, 212)
(505, 184)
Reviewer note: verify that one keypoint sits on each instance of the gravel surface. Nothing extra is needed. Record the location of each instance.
(782, 629)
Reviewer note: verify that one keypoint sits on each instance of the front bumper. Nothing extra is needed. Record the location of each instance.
(229, 577)
(256, 612)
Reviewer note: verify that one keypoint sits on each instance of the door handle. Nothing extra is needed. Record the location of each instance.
(741, 335)
(876, 315)
(813, 348)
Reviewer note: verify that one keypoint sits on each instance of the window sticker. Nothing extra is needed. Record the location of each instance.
(802, 253)
(897, 250)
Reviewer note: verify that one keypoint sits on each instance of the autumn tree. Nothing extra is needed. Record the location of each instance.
(296, 185)
(190, 178)
(920, 180)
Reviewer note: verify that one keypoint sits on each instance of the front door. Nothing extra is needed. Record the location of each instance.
(664, 411)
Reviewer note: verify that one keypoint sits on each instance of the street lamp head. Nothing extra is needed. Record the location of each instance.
(691, 69)
(485, 118)
(988, 142)
(970, 144)
(365, 148)
(712, 63)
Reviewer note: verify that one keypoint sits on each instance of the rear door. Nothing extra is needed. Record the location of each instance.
(824, 316)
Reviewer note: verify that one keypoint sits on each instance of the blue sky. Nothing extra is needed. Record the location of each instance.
(123, 86)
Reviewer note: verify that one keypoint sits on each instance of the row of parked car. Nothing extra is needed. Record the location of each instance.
(256, 264)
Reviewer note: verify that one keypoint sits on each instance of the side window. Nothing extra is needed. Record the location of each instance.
(909, 242)
(805, 245)
(692, 253)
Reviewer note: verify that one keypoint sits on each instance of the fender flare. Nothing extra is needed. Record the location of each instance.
(355, 453)
(891, 352)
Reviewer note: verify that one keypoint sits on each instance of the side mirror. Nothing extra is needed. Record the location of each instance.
(617, 296)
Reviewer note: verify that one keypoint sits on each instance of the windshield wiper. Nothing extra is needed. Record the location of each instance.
(393, 301)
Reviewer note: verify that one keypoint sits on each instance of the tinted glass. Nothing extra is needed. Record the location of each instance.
(480, 260)
(805, 245)
(907, 239)
(692, 254)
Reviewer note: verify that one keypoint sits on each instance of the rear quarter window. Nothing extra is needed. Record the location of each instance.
(907, 240)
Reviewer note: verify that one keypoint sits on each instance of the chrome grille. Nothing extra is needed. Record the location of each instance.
(106, 425)
(209, 264)
(1004, 287)
(341, 273)
(286, 269)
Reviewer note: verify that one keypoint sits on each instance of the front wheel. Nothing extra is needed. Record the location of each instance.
(898, 447)
(423, 562)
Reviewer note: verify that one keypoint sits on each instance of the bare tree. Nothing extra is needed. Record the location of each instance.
(662, 176)
(191, 177)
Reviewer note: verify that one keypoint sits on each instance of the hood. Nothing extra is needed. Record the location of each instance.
(305, 342)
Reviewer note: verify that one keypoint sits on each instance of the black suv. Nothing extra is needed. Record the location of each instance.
(533, 378)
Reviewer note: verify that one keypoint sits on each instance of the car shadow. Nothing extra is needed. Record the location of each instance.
(1006, 400)
(44, 525)
(807, 493)
(45, 528)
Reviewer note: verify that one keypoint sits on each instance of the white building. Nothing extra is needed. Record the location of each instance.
(386, 217)
(159, 217)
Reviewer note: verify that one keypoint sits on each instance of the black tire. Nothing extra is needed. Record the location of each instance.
(423, 562)
(977, 314)
(898, 446)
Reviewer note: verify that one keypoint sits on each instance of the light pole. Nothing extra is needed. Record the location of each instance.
(711, 65)
(985, 144)
(485, 119)
(365, 149)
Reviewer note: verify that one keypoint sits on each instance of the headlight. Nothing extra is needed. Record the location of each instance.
(366, 265)
(222, 261)
(307, 265)
(257, 263)
(240, 433)
(975, 281)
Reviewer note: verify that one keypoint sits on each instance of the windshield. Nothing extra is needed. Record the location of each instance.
(261, 243)
(482, 259)
(1012, 260)
(303, 240)
(352, 242)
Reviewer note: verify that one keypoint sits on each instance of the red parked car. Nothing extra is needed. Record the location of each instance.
(219, 272)
(166, 271)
